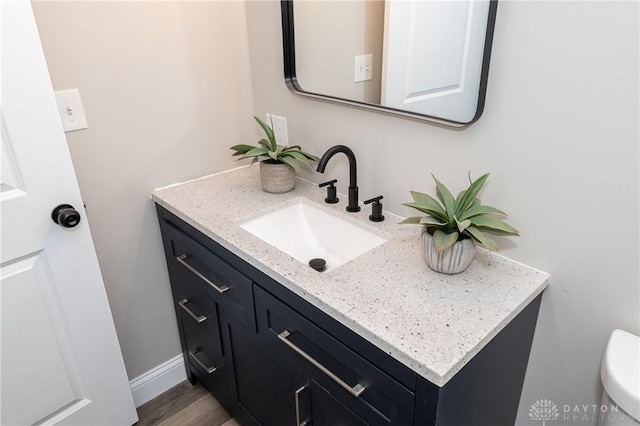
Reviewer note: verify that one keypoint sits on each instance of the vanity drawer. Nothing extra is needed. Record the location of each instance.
(196, 264)
(215, 381)
(358, 384)
(198, 319)
(198, 316)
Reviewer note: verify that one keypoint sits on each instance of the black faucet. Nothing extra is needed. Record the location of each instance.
(353, 180)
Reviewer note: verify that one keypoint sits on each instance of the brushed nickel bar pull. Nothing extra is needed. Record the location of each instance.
(356, 390)
(182, 304)
(209, 370)
(182, 258)
(298, 422)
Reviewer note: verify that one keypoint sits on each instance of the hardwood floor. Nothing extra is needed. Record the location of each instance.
(184, 405)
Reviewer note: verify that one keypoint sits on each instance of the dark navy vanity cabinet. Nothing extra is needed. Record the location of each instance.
(271, 358)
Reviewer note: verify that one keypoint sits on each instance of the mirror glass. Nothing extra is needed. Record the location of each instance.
(427, 59)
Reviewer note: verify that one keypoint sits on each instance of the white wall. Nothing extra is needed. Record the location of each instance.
(166, 89)
(560, 135)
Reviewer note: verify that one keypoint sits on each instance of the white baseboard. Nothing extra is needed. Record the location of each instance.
(158, 380)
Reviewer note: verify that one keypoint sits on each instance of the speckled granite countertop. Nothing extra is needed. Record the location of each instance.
(431, 322)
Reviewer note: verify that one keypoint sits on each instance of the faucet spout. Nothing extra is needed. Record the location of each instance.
(353, 178)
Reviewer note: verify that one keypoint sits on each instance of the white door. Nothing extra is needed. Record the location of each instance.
(60, 357)
(432, 56)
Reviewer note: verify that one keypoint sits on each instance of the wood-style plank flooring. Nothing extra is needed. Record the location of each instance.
(184, 405)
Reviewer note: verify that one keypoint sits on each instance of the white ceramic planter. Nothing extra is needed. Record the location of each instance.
(277, 177)
(453, 260)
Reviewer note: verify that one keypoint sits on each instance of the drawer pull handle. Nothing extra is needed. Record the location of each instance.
(182, 304)
(298, 422)
(356, 390)
(182, 258)
(209, 370)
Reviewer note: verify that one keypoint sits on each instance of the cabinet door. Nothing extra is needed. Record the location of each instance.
(326, 410)
(299, 344)
(262, 391)
(267, 393)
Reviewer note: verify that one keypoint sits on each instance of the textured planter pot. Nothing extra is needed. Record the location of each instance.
(453, 260)
(277, 177)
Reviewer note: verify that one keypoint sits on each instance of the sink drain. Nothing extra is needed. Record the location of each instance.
(318, 264)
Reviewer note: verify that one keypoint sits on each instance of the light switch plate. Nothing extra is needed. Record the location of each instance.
(71, 111)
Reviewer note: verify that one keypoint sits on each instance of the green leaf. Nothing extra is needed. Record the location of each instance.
(269, 132)
(447, 199)
(429, 209)
(459, 198)
(295, 154)
(311, 157)
(265, 143)
(431, 221)
(443, 240)
(470, 194)
(482, 238)
(296, 149)
(493, 224)
(290, 161)
(427, 202)
(273, 155)
(419, 197)
(255, 152)
(462, 225)
(476, 210)
(241, 149)
(411, 220)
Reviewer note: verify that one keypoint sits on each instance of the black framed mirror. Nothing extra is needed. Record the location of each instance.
(425, 59)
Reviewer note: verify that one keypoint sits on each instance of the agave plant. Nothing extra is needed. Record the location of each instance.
(453, 219)
(269, 150)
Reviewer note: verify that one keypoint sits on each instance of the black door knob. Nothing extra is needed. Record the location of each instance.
(66, 216)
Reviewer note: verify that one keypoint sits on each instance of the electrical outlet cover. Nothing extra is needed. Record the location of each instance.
(279, 126)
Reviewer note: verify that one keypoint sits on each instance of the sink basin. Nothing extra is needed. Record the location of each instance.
(305, 232)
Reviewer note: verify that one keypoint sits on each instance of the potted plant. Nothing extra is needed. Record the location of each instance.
(452, 226)
(278, 163)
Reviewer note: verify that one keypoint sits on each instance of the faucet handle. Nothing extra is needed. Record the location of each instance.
(376, 209)
(331, 182)
(331, 191)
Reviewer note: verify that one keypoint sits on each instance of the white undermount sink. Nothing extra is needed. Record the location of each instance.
(306, 232)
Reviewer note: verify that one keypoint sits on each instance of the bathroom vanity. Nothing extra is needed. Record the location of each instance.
(380, 340)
